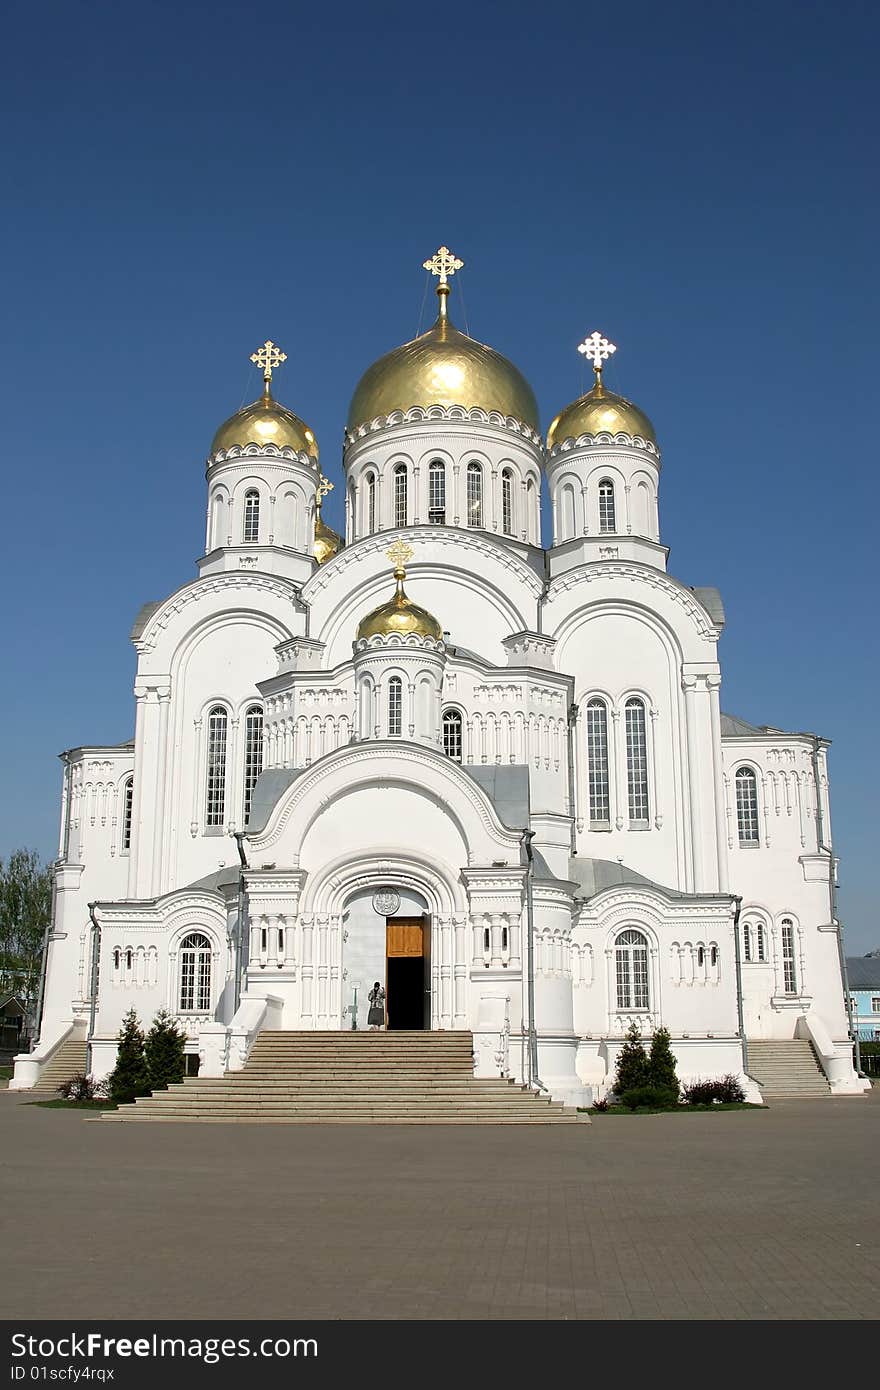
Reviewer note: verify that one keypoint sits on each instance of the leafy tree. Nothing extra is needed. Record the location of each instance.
(129, 1077)
(164, 1051)
(661, 1062)
(25, 913)
(632, 1062)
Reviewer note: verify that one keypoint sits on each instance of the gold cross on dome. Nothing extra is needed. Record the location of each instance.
(269, 356)
(598, 350)
(324, 486)
(443, 264)
(400, 554)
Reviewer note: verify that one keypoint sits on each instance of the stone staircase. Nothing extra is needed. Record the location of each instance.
(67, 1061)
(352, 1079)
(787, 1069)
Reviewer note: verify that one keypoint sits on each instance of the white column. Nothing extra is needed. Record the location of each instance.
(714, 684)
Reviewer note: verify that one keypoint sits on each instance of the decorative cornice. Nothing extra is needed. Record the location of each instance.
(381, 641)
(227, 581)
(416, 414)
(641, 574)
(266, 451)
(602, 440)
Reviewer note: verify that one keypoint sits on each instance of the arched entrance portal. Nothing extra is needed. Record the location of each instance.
(386, 937)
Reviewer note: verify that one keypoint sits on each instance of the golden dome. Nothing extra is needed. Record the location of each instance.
(442, 367)
(598, 412)
(327, 541)
(265, 422)
(399, 615)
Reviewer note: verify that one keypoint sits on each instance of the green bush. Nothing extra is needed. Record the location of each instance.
(82, 1087)
(632, 1062)
(661, 1062)
(164, 1052)
(129, 1077)
(726, 1090)
(650, 1098)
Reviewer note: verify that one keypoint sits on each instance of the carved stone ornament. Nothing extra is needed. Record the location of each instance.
(386, 901)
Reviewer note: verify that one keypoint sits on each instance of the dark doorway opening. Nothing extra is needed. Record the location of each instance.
(406, 992)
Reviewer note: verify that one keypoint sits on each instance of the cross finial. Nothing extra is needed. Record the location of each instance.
(598, 350)
(324, 486)
(400, 554)
(443, 264)
(269, 356)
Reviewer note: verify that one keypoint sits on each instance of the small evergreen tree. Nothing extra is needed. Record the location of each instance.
(164, 1052)
(129, 1077)
(632, 1062)
(661, 1062)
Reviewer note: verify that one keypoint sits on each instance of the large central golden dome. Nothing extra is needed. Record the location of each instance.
(442, 367)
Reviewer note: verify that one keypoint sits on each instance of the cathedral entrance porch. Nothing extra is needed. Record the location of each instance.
(407, 973)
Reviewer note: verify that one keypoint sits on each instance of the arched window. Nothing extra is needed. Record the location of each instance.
(401, 504)
(452, 740)
(636, 762)
(215, 774)
(129, 958)
(760, 948)
(474, 494)
(371, 503)
(507, 501)
(607, 518)
(117, 957)
(747, 805)
(127, 804)
(597, 764)
(754, 942)
(253, 754)
(789, 968)
(195, 973)
(532, 520)
(631, 961)
(395, 707)
(437, 492)
(251, 529)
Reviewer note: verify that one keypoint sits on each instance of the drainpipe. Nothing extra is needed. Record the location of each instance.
(242, 936)
(572, 799)
(534, 1079)
(93, 985)
(739, 983)
(832, 899)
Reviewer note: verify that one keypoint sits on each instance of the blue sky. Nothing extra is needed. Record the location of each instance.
(698, 181)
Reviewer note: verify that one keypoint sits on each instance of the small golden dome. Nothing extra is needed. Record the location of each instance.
(442, 367)
(265, 422)
(399, 615)
(327, 541)
(598, 412)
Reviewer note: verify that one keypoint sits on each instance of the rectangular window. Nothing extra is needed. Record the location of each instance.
(127, 804)
(215, 802)
(395, 707)
(400, 498)
(598, 784)
(437, 494)
(253, 755)
(875, 1005)
(789, 973)
(636, 762)
(507, 502)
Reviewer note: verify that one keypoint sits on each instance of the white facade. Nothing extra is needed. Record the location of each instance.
(557, 766)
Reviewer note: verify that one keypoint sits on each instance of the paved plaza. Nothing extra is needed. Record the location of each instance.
(769, 1214)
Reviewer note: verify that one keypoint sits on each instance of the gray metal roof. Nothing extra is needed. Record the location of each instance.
(507, 787)
(863, 972)
(268, 789)
(594, 875)
(213, 883)
(711, 600)
(732, 727)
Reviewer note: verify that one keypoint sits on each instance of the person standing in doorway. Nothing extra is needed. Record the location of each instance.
(376, 1016)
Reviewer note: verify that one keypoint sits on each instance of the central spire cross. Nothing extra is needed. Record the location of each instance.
(444, 263)
(269, 357)
(324, 486)
(400, 554)
(597, 350)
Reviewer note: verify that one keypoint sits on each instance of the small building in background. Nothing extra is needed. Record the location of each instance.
(864, 987)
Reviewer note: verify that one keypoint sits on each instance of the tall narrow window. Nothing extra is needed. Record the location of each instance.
(759, 941)
(474, 494)
(195, 973)
(597, 763)
(395, 707)
(631, 961)
(371, 504)
(636, 762)
(532, 521)
(253, 754)
(507, 501)
(789, 971)
(127, 804)
(747, 805)
(251, 531)
(607, 518)
(452, 734)
(401, 504)
(747, 942)
(215, 778)
(437, 493)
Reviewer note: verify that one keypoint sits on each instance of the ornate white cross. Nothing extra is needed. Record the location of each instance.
(598, 350)
(443, 264)
(269, 356)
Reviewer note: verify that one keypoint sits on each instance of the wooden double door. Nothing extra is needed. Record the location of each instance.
(408, 972)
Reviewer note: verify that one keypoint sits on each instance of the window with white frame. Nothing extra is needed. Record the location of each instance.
(215, 772)
(251, 526)
(127, 806)
(598, 783)
(631, 965)
(607, 516)
(195, 974)
(474, 494)
(789, 967)
(531, 513)
(452, 734)
(395, 707)
(437, 492)
(371, 504)
(753, 940)
(253, 754)
(401, 499)
(636, 761)
(507, 501)
(875, 1004)
(747, 805)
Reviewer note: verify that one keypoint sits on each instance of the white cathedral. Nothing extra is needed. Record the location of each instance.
(497, 779)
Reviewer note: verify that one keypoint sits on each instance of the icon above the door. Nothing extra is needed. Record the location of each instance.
(386, 901)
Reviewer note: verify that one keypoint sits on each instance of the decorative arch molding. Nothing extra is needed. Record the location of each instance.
(228, 585)
(266, 451)
(173, 915)
(416, 414)
(328, 889)
(604, 438)
(649, 909)
(643, 576)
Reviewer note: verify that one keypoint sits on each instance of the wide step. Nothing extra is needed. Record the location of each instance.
(787, 1069)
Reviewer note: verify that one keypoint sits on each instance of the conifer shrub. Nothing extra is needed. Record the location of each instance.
(661, 1062)
(164, 1052)
(129, 1077)
(725, 1090)
(632, 1062)
(650, 1098)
